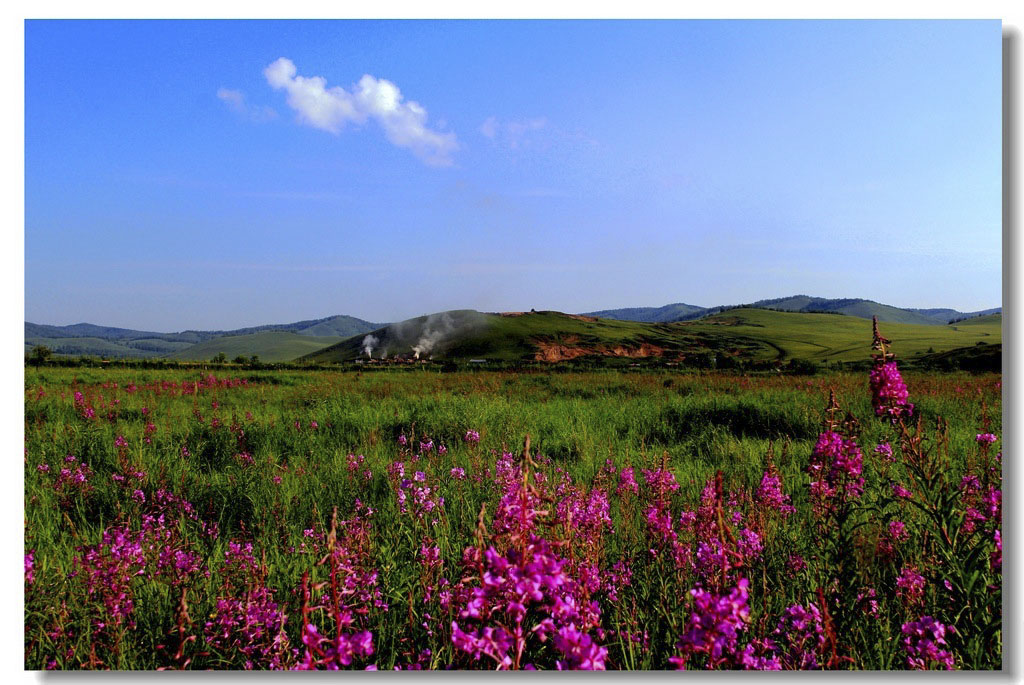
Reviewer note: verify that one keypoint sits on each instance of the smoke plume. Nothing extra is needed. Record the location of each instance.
(436, 329)
(369, 342)
(427, 335)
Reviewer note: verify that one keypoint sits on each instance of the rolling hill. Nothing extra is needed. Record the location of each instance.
(87, 330)
(786, 328)
(109, 342)
(339, 326)
(271, 346)
(670, 312)
(949, 315)
(825, 337)
(740, 334)
(864, 309)
(141, 348)
(507, 337)
(983, 320)
(858, 307)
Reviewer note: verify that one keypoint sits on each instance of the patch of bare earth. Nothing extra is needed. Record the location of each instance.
(564, 351)
(553, 352)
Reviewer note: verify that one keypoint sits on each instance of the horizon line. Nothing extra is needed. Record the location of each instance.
(588, 312)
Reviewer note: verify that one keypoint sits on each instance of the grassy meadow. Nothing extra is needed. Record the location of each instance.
(390, 519)
(831, 337)
(741, 336)
(270, 346)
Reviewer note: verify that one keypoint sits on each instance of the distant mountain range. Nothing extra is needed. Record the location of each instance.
(861, 308)
(284, 342)
(299, 337)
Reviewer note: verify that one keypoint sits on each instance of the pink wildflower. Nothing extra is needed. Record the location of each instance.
(922, 644)
(889, 392)
(714, 625)
(910, 585)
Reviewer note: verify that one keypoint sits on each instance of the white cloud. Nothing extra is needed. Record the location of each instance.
(512, 134)
(330, 109)
(235, 100)
(490, 127)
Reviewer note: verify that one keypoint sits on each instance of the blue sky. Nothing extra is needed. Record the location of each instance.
(219, 174)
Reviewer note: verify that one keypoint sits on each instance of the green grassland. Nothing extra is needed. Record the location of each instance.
(522, 336)
(707, 420)
(988, 320)
(743, 334)
(739, 336)
(123, 343)
(268, 460)
(103, 347)
(851, 307)
(271, 346)
(517, 337)
(830, 337)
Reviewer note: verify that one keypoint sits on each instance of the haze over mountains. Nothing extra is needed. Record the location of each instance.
(284, 342)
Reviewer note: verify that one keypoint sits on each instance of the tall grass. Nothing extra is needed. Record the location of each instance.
(301, 466)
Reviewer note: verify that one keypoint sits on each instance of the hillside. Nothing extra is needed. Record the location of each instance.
(858, 307)
(824, 337)
(468, 334)
(670, 312)
(109, 342)
(751, 333)
(271, 346)
(338, 326)
(983, 320)
(98, 347)
(948, 315)
(978, 357)
(739, 334)
(85, 330)
(864, 309)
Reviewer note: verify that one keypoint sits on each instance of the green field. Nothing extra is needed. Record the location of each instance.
(140, 559)
(746, 335)
(271, 346)
(987, 321)
(101, 347)
(108, 342)
(831, 337)
(738, 337)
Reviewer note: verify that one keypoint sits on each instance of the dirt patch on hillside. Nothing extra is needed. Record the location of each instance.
(554, 352)
(580, 317)
(511, 313)
(645, 350)
(566, 350)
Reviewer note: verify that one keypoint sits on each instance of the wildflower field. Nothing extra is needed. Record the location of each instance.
(411, 519)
